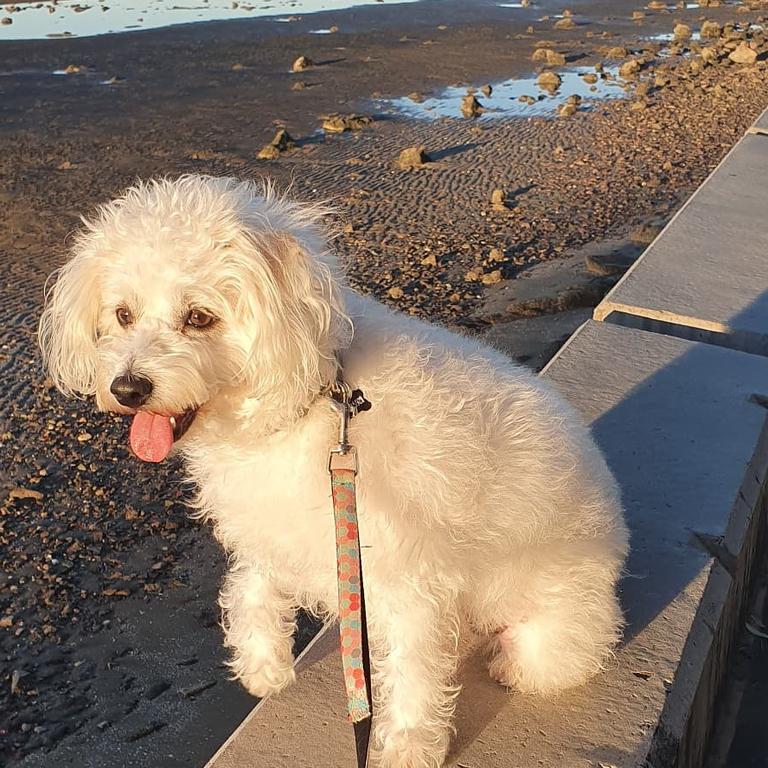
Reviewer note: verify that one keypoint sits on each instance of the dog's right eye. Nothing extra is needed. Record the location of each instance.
(124, 316)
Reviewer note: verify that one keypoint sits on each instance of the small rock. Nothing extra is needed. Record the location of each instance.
(743, 54)
(486, 89)
(629, 69)
(590, 78)
(615, 52)
(496, 255)
(492, 278)
(413, 157)
(302, 63)
(499, 200)
(470, 106)
(565, 23)
(566, 110)
(340, 123)
(416, 97)
(548, 56)
(710, 29)
(709, 55)
(681, 33)
(281, 142)
(395, 293)
(549, 81)
(6, 20)
(24, 493)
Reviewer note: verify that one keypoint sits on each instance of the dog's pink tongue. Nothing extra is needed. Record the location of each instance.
(151, 436)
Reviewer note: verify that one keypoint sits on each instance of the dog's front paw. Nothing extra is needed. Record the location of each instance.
(413, 748)
(262, 678)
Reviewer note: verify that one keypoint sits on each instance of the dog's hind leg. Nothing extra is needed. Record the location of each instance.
(258, 623)
(552, 615)
(414, 649)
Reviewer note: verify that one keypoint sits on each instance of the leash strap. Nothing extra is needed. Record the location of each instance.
(355, 657)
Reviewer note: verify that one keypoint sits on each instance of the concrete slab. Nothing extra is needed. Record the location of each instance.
(686, 440)
(761, 124)
(705, 276)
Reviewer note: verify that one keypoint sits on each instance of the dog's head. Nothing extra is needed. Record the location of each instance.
(182, 297)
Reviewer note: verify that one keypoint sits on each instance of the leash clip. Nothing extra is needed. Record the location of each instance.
(343, 456)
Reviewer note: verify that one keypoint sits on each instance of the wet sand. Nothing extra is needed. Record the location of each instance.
(107, 587)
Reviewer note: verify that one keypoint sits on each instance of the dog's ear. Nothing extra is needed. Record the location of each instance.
(288, 300)
(67, 332)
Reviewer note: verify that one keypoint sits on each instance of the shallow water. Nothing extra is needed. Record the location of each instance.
(668, 37)
(504, 100)
(69, 18)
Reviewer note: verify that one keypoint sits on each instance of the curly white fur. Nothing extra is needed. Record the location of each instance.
(481, 495)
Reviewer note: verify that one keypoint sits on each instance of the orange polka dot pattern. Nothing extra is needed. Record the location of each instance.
(350, 604)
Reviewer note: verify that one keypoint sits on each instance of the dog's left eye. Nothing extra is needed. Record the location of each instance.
(199, 318)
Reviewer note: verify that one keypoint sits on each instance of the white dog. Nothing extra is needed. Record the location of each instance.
(212, 311)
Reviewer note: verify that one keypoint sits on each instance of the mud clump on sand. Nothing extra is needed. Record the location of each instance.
(499, 200)
(281, 143)
(549, 57)
(302, 63)
(341, 123)
(413, 157)
(470, 106)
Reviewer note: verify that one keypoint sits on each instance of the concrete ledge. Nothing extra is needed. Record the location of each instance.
(761, 124)
(705, 278)
(686, 440)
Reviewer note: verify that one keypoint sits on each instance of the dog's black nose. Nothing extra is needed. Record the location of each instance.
(131, 391)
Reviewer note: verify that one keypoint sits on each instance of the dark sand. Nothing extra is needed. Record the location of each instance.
(107, 588)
